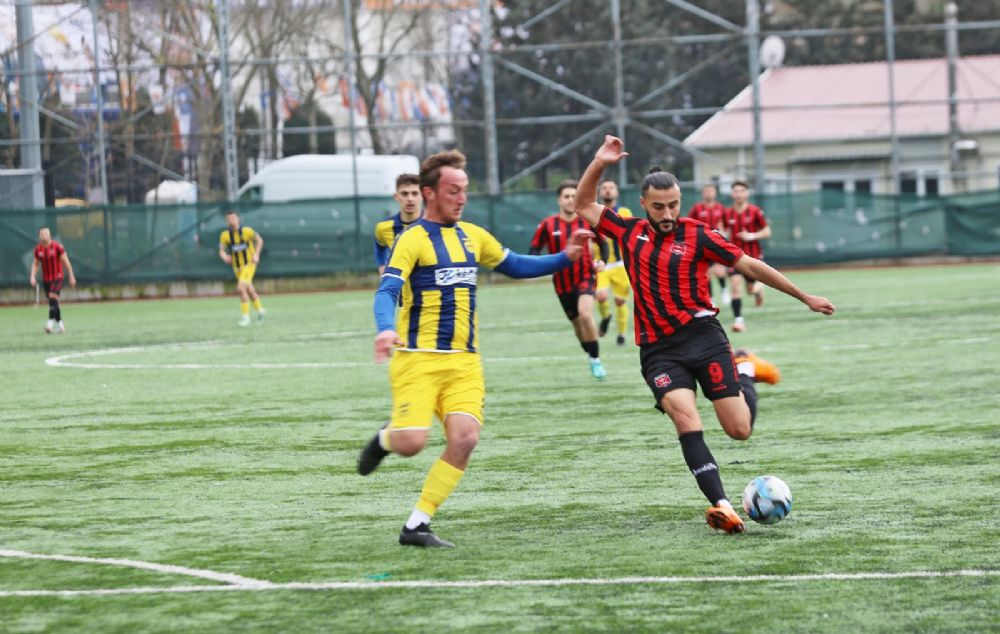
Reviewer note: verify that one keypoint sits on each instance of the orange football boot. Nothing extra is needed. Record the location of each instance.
(763, 370)
(724, 518)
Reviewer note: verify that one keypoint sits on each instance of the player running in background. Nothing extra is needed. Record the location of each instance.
(436, 368)
(241, 247)
(680, 340)
(747, 227)
(574, 285)
(613, 276)
(51, 256)
(713, 213)
(407, 196)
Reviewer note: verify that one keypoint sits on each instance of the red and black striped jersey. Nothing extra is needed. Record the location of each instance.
(750, 219)
(51, 259)
(713, 215)
(669, 274)
(553, 233)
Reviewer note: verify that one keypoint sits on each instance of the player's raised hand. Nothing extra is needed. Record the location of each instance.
(819, 304)
(579, 241)
(385, 341)
(612, 151)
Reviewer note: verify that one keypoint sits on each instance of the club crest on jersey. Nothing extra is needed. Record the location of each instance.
(677, 248)
(662, 380)
(456, 275)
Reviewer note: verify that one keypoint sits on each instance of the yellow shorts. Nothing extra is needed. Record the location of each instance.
(428, 383)
(246, 273)
(617, 279)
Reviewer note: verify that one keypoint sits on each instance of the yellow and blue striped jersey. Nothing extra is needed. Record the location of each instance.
(240, 244)
(438, 265)
(386, 232)
(614, 250)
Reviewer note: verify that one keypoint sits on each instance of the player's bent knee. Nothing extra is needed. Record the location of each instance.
(464, 440)
(738, 428)
(408, 442)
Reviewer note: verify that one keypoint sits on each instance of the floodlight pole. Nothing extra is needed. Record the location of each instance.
(753, 53)
(890, 56)
(228, 107)
(31, 150)
(349, 58)
(102, 160)
(489, 96)
(954, 134)
(621, 116)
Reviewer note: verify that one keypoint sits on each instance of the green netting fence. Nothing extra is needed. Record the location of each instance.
(156, 243)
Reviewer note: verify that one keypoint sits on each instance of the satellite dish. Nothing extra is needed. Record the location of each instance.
(772, 51)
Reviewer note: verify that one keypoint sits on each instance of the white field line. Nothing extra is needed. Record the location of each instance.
(510, 583)
(224, 577)
(70, 360)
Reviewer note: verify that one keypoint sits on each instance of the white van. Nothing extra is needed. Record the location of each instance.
(327, 176)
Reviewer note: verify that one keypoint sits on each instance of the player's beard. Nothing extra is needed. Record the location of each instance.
(663, 227)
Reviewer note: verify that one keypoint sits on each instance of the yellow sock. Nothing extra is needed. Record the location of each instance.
(621, 316)
(440, 482)
(245, 308)
(604, 308)
(257, 305)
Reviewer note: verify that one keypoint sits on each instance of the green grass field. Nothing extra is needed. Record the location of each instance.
(164, 434)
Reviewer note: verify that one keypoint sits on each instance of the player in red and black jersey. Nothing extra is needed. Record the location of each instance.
(713, 213)
(51, 256)
(747, 226)
(575, 284)
(681, 342)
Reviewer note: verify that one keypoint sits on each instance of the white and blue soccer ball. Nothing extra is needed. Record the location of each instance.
(767, 500)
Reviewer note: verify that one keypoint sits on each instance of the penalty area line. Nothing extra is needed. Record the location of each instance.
(509, 583)
(223, 577)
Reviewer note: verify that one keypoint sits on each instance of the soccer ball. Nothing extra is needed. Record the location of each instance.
(767, 500)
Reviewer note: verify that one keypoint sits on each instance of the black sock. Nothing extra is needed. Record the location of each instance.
(737, 306)
(592, 348)
(750, 394)
(722, 282)
(53, 309)
(702, 465)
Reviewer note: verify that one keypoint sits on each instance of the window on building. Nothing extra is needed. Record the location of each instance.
(931, 185)
(908, 183)
(832, 186)
(863, 186)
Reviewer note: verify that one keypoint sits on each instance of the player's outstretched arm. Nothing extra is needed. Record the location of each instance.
(586, 192)
(761, 271)
(524, 266)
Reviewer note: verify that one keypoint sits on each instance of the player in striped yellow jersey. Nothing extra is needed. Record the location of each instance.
(407, 196)
(241, 246)
(436, 369)
(614, 276)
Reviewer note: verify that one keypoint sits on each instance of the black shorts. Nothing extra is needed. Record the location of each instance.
(698, 352)
(54, 287)
(570, 301)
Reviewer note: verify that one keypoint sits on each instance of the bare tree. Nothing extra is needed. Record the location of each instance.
(377, 35)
